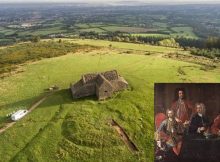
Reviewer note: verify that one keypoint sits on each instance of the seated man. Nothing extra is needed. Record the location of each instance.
(199, 122)
(167, 132)
(215, 129)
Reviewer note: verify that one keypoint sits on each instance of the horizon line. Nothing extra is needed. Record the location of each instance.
(117, 3)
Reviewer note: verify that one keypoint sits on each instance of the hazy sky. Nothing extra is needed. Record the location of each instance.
(107, 1)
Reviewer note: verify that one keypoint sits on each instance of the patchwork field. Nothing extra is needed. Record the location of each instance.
(127, 29)
(6, 31)
(63, 129)
(44, 31)
(186, 32)
(138, 48)
(97, 30)
(151, 35)
(102, 28)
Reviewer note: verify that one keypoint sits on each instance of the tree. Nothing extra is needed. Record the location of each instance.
(126, 39)
(117, 39)
(35, 39)
(169, 43)
(213, 42)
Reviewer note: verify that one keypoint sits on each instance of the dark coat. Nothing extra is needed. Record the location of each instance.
(198, 121)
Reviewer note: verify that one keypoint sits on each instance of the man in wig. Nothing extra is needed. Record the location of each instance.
(168, 132)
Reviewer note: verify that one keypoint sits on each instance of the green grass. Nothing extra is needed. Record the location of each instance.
(82, 26)
(26, 52)
(6, 31)
(62, 129)
(98, 24)
(97, 30)
(100, 28)
(160, 25)
(44, 31)
(126, 29)
(123, 45)
(150, 35)
(183, 32)
(5, 40)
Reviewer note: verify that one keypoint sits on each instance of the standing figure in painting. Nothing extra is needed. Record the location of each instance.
(216, 126)
(167, 132)
(182, 109)
(199, 122)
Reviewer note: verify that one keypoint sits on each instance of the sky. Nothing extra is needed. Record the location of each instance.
(114, 1)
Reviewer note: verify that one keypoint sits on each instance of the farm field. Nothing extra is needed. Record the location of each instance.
(190, 23)
(54, 28)
(103, 28)
(44, 31)
(127, 29)
(97, 30)
(6, 31)
(63, 129)
(174, 31)
(151, 35)
(160, 25)
(122, 45)
(186, 32)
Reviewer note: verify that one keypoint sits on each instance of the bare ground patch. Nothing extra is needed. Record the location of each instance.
(132, 147)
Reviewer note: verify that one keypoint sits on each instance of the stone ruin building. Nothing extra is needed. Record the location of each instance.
(103, 85)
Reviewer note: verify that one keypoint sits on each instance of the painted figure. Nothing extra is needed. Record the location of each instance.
(199, 122)
(215, 129)
(168, 132)
(182, 109)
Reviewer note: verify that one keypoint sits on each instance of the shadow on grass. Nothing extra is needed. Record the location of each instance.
(60, 97)
(22, 103)
(64, 96)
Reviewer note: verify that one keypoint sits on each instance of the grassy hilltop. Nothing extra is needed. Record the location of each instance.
(63, 129)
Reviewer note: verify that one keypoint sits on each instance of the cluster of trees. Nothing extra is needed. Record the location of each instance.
(174, 42)
(33, 51)
(190, 42)
(150, 39)
(169, 43)
(121, 37)
(201, 47)
(4, 40)
(7, 42)
(213, 42)
(211, 48)
(20, 53)
(153, 40)
(12, 39)
(35, 39)
(210, 53)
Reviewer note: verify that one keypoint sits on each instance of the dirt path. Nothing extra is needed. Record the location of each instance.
(38, 102)
(8, 125)
(123, 136)
(32, 107)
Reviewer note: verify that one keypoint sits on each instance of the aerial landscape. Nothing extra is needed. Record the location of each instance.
(46, 49)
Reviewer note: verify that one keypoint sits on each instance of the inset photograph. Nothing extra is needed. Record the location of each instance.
(187, 122)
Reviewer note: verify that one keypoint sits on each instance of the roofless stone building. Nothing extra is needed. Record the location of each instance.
(103, 85)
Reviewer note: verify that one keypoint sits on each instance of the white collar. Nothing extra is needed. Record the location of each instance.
(170, 119)
(200, 114)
